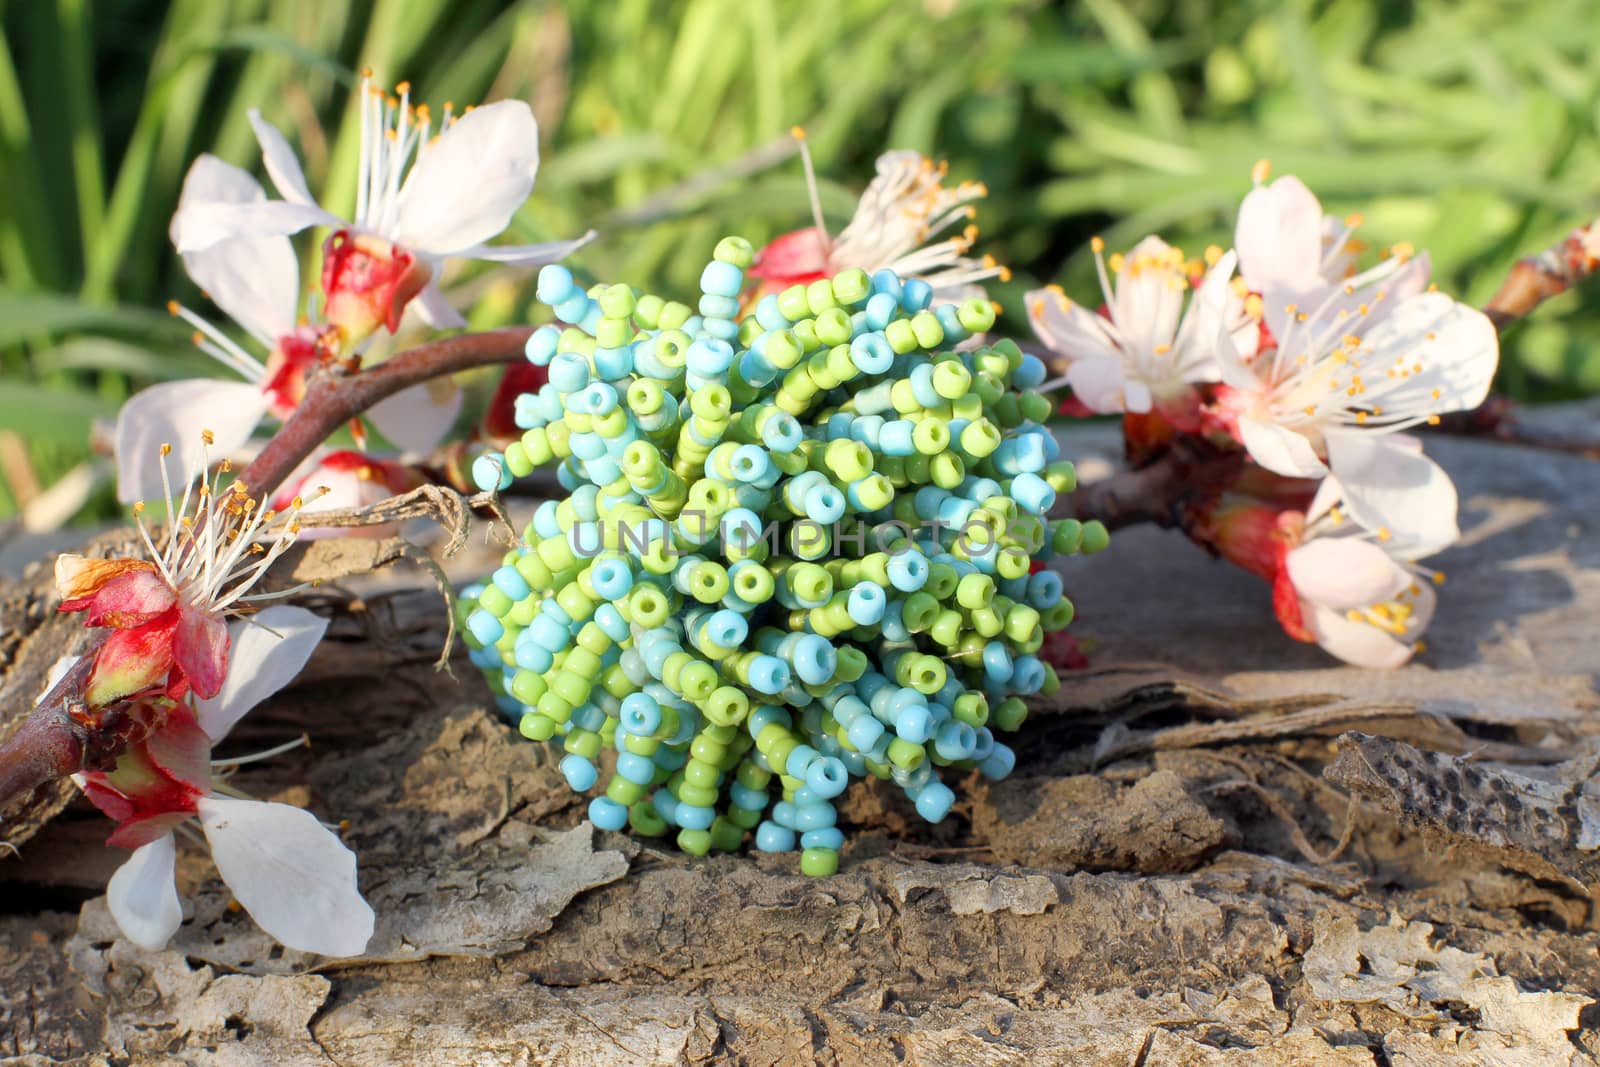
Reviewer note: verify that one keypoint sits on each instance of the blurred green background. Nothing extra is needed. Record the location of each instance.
(1467, 128)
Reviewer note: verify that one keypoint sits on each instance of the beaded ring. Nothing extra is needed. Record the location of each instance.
(796, 547)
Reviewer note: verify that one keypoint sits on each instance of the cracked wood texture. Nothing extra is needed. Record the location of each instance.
(1218, 849)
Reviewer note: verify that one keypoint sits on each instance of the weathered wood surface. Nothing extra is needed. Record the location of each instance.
(1169, 877)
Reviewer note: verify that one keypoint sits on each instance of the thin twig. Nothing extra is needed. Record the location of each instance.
(334, 398)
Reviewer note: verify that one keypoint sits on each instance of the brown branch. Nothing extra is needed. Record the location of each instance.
(1535, 279)
(334, 399)
(1157, 492)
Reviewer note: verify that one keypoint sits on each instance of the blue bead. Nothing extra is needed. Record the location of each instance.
(799, 760)
(745, 797)
(749, 462)
(908, 570)
(814, 816)
(1032, 493)
(607, 814)
(641, 714)
(727, 628)
(636, 768)
(613, 364)
(600, 398)
(611, 578)
(781, 432)
(871, 353)
(954, 741)
(709, 357)
(510, 581)
(541, 346)
(783, 813)
(721, 329)
(999, 763)
(1030, 372)
(997, 665)
(532, 656)
(555, 285)
(881, 310)
(1044, 590)
(934, 800)
(864, 733)
(825, 504)
(768, 314)
(866, 604)
(922, 386)
(867, 429)
(490, 473)
(950, 321)
(826, 777)
(916, 294)
(721, 279)
(713, 307)
(766, 713)
(579, 772)
(485, 627)
(983, 743)
(887, 281)
(574, 309)
(912, 724)
(768, 674)
(1028, 675)
(895, 438)
(569, 372)
(694, 817)
(814, 659)
(829, 837)
(770, 837)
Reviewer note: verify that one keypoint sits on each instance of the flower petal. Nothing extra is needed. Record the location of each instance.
(283, 166)
(436, 310)
(294, 877)
(465, 187)
(175, 413)
(417, 419)
(526, 255)
(1449, 351)
(256, 282)
(269, 649)
(143, 895)
(131, 661)
(200, 649)
(1345, 572)
(1280, 449)
(79, 578)
(1070, 329)
(1098, 382)
(1149, 298)
(130, 600)
(792, 257)
(1390, 488)
(207, 224)
(1279, 236)
(1356, 643)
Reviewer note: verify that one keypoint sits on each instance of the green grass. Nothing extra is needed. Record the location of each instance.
(1467, 128)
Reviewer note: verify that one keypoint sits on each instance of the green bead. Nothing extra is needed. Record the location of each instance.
(702, 775)
(698, 795)
(644, 820)
(1067, 537)
(1009, 714)
(726, 835)
(1036, 407)
(819, 296)
(695, 842)
(833, 327)
(494, 601)
(623, 791)
(819, 862)
(905, 755)
(585, 743)
(976, 315)
(1095, 536)
(735, 250)
(852, 286)
(536, 727)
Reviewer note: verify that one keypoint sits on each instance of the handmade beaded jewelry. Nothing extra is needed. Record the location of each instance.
(800, 545)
